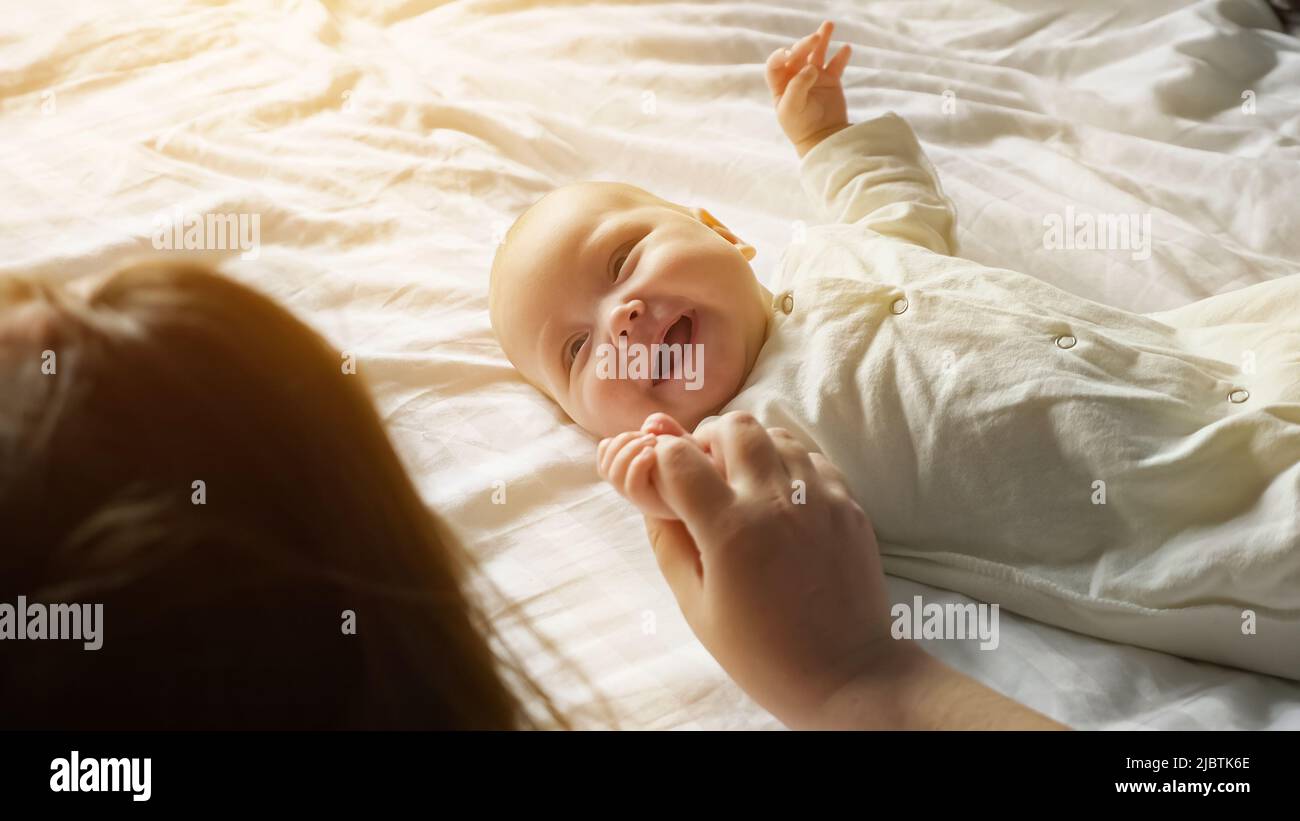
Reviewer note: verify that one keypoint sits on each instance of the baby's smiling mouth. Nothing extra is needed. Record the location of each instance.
(679, 334)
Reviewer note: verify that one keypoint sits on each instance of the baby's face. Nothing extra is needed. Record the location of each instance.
(595, 262)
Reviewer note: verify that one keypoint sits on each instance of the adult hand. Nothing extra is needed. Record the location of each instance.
(786, 589)
(778, 573)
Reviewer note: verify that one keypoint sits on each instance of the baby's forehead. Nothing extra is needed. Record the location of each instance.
(546, 238)
(582, 205)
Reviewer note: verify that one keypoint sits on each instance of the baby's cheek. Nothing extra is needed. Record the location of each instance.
(610, 406)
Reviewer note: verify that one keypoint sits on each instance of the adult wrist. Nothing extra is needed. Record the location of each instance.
(877, 696)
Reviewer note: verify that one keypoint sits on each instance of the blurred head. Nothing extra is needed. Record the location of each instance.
(594, 263)
(227, 609)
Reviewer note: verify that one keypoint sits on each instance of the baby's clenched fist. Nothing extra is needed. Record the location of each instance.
(627, 461)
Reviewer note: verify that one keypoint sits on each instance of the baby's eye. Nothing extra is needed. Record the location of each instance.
(618, 264)
(575, 347)
(621, 257)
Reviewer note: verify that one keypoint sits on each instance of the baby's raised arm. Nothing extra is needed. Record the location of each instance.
(872, 173)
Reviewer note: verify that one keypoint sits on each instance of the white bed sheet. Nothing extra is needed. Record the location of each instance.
(385, 145)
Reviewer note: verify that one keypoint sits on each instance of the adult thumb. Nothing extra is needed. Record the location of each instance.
(690, 484)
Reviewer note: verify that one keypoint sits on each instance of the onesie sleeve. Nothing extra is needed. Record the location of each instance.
(874, 174)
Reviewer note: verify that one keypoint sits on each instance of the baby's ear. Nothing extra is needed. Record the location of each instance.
(746, 250)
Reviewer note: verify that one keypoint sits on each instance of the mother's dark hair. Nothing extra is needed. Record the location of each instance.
(229, 613)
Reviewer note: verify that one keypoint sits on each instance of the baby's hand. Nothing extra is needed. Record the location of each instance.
(809, 98)
(627, 461)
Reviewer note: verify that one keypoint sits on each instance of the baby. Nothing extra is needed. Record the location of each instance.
(1130, 476)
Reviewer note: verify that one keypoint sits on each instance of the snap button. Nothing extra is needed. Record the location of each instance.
(1238, 396)
(899, 305)
(785, 302)
(1065, 341)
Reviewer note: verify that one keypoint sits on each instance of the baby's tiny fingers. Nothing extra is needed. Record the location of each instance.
(778, 71)
(818, 56)
(796, 93)
(663, 424)
(638, 475)
(612, 448)
(799, 51)
(604, 451)
(640, 487)
(619, 465)
(839, 61)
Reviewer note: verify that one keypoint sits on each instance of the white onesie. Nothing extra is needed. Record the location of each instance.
(1124, 475)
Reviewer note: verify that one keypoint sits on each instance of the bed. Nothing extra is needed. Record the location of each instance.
(385, 146)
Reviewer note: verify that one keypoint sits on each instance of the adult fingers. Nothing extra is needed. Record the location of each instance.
(746, 449)
(793, 453)
(828, 472)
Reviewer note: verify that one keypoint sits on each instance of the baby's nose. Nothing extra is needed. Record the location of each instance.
(624, 317)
